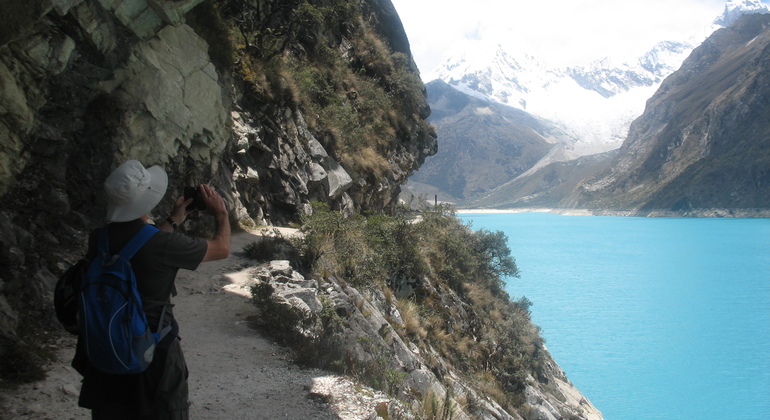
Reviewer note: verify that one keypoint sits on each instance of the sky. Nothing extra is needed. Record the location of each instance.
(559, 31)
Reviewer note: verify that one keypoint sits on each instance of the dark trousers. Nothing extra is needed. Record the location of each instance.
(163, 390)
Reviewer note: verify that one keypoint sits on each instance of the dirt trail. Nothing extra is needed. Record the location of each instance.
(235, 372)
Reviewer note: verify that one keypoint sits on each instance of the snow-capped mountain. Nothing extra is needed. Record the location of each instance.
(735, 8)
(594, 102)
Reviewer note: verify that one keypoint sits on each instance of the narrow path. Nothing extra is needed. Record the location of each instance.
(235, 372)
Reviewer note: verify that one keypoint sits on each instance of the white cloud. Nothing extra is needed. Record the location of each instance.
(567, 30)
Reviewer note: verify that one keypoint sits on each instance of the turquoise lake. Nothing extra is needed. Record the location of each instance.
(651, 318)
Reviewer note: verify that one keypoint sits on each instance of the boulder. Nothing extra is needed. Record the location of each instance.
(325, 169)
(291, 286)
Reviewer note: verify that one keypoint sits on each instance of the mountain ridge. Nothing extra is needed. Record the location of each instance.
(507, 140)
(562, 93)
(702, 141)
(611, 87)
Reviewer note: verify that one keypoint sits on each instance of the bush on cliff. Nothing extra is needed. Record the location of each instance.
(448, 283)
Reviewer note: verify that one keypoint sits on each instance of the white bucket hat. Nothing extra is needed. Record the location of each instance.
(133, 191)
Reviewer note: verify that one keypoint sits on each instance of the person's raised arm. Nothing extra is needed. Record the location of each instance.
(219, 245)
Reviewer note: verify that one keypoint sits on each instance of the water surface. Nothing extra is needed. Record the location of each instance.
(651, 318)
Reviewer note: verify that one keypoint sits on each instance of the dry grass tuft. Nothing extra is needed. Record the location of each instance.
(411, 316)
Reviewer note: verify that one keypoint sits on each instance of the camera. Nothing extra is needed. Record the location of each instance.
(197, 196)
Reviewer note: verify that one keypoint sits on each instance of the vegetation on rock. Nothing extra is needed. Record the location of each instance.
(280, 103)
(447, 283)
(359, 96)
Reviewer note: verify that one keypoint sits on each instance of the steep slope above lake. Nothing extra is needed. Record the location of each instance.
(703, 141)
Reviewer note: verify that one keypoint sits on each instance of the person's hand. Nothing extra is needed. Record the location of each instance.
(179, 213)
(215, 205)
(177, 216)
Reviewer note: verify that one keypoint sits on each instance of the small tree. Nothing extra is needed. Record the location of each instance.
(497, 261)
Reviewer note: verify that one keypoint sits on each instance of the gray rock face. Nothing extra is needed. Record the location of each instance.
(172, 90)
(291, 286)
(366, 336)
(335, 179)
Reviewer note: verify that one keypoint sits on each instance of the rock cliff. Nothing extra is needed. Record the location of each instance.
(88, 84)
(275, 103)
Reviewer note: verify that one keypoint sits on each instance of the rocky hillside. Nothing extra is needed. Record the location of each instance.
(277, 104)
(544, 187)
(417, 308)
(701, 146)
(484, 144)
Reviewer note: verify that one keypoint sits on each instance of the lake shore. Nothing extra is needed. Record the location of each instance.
(566, 212)
(695, 213)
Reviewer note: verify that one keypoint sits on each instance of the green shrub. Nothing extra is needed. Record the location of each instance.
(21, 363)
(396, 242)
(268, 248)
(377, 371)
(457, 253)
(377, 249)
(318, 237)
(433, 409)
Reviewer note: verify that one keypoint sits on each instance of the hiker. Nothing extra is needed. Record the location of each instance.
(161, 391)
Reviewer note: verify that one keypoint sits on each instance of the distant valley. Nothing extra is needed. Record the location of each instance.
(494, 154)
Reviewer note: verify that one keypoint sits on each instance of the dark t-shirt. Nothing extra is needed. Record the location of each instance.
(156, 263)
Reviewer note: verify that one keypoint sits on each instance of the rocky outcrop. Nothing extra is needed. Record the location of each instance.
(367, 334)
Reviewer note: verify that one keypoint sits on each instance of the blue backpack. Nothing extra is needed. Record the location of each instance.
(113, 325)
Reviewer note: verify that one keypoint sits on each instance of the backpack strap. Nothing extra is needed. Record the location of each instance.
(162, 333)
(128, 251)
(138, 241)
(132, 247)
